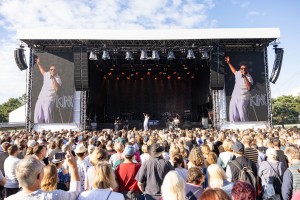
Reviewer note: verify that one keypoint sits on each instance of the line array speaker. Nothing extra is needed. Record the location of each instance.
(81, 78)
(217, 68)
(20, 59)
(277, 65)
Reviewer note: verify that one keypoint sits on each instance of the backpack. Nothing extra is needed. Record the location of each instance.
(275, 180)
(246, 173)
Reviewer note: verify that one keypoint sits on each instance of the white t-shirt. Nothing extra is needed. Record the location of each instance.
(83, 166)
(100, 194)
(240, 88)
(48, 91)
(10, 165)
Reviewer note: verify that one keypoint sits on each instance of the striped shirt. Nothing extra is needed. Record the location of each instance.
(251, 154)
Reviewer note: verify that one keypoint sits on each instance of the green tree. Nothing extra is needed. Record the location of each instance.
(10, 105)
(286, 109)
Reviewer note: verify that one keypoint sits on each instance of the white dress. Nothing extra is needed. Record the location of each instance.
(238, 108)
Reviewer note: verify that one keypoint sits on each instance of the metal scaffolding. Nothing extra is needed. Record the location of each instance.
(29, 122)
(269, 102)
(83, 105)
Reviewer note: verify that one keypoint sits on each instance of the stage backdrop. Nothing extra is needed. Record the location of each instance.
(63, 107)
(255, 64)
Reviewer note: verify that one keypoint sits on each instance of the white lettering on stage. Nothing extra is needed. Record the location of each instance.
(64, 102)
(258, 100)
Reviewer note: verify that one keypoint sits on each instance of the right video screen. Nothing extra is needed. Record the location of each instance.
(245, 86)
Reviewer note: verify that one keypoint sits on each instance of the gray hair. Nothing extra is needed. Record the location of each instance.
(27, 171)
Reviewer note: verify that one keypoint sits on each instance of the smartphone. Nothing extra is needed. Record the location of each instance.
(60, 156)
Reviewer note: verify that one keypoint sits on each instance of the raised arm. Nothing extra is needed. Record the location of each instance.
(41, 68)
(232, 68)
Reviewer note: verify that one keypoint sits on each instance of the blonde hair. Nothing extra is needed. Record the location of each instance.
(227, 145)
(196, 157)
(119, 147)
(216, 176)
(98, 155)
(173, 186)
(104, 176)
(205, 149)
(50, 179)
(212, 158)
(145, 148)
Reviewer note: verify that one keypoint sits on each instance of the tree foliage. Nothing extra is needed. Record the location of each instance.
(286, 109)
(10, 105)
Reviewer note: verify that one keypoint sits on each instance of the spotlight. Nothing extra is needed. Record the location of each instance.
(205, 55)
(170, 55)
(128, 55)
(155, 55)
(93, 56)
(144, 55)
(105, 55)
(190, 54)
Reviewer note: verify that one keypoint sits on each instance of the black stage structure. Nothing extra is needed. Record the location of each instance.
(164, 73)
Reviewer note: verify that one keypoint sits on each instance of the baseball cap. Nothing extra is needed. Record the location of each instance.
(238, 147)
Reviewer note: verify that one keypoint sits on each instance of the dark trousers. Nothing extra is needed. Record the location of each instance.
(10, 191)
(131, 195)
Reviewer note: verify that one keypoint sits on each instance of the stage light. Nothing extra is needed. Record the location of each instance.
(93, 56)
(178, 78)
(144, 55)
(155, 55)
(117, 78)
(105, 55)
(128, 55)
(204, 55)
(190, 54)
(171, 55)
(169, 77)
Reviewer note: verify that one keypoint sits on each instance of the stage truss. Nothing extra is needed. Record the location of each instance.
(121, 46)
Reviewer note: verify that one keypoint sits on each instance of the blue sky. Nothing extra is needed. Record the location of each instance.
(154, 14)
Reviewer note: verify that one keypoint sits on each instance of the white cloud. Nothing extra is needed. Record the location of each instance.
(89, 14)
(241, 3)
(253, 13)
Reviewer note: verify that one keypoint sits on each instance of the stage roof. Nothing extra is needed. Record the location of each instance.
(168, 38)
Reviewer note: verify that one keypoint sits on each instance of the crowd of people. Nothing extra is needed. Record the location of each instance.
(200, 164)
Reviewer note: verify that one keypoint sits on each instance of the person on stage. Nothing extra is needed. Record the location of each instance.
(117, 123)
(240, 98)
(146, 121)
(46, 99)
(176, 121)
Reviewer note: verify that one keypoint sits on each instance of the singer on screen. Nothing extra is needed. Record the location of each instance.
(46, 99)
(240, 98)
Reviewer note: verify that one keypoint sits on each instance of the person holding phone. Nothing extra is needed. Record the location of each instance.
(30, 173)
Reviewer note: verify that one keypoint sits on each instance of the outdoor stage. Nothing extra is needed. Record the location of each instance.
(107, 74)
